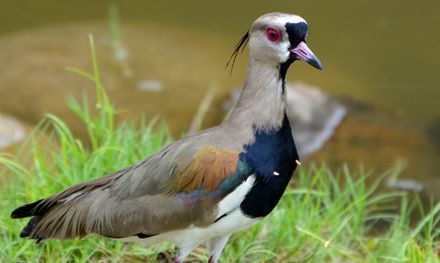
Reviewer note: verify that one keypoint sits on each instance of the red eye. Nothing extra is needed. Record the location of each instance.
(273, 34)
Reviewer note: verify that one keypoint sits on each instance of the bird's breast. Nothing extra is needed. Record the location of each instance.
(272, 157)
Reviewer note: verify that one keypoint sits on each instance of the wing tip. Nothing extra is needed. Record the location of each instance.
(26, 210)
(29, 228)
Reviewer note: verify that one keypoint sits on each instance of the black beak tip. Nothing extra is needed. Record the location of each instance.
(315, 63)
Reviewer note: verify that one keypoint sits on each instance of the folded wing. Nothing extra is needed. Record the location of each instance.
(175, 188)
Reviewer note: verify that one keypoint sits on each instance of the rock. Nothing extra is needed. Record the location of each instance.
(405, 184)
(314, 115)
(11, 131)
(376, 140)
(150, 85)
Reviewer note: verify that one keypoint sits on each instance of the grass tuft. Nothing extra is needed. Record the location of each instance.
(325, 217)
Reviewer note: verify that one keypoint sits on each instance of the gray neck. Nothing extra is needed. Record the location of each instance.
(262, 102)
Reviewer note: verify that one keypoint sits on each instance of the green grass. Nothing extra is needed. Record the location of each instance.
(325, 217)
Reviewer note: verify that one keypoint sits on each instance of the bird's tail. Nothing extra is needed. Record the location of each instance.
(63, 215)
(53, 218)
(27, 211)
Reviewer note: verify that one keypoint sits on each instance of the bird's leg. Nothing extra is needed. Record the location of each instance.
(216, 246)
(183, 252)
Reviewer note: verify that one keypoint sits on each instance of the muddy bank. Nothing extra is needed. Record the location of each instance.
(184, 63)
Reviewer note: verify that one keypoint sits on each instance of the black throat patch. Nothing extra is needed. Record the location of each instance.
(283, 72)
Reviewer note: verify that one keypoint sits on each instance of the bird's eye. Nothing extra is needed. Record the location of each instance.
(273, 34)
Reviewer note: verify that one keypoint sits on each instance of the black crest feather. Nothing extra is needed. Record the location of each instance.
(239, 48)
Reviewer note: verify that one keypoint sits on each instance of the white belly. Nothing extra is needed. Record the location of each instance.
(197, 235)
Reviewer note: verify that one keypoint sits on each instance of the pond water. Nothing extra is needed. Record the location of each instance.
(385, 52)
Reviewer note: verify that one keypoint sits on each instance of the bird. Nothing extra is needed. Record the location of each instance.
(202, 188)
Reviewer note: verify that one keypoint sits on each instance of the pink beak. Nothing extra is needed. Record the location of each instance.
(303, 52)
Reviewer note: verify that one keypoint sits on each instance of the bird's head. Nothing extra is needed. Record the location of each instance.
(278, 39)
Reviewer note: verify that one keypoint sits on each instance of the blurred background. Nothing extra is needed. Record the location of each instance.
(162, 58)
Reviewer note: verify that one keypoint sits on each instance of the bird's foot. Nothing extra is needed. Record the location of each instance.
(164, 257)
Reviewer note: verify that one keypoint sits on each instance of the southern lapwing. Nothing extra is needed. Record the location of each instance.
(202, 188)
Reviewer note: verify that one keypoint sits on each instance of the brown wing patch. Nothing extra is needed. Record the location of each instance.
(208, 169)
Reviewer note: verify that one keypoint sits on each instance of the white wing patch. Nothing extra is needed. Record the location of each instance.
(234, 199)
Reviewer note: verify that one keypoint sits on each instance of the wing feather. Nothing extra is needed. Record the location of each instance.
(210, 166)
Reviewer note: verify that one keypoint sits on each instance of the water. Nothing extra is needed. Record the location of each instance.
(385, 52)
